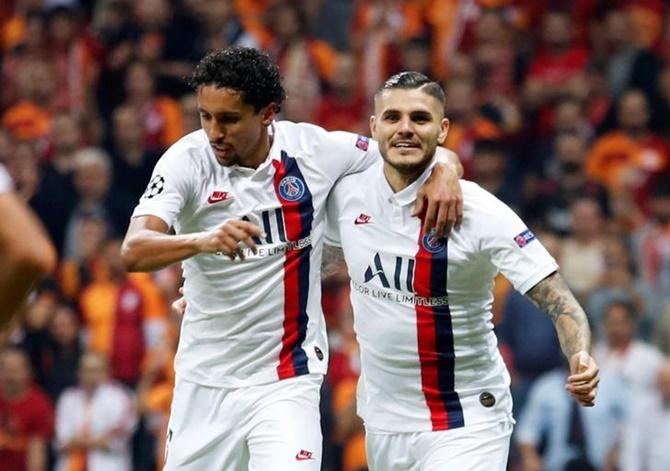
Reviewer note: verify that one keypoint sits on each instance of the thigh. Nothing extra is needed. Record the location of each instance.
(468, 450)
(202, 434)
(285, 429)
(390, 451)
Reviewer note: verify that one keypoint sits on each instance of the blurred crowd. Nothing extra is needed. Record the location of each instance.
(559, 108)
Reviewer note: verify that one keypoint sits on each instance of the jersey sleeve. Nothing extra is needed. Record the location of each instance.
(169, 188)
(342, 153)
(513, 248)
(333, 211)
(5, 181)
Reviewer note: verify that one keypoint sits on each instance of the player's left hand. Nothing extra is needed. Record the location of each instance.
(584, 378)
(442, 199)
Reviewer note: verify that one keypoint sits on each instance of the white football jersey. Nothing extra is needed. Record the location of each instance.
(422, 305)
(5, 181)
(258, 320)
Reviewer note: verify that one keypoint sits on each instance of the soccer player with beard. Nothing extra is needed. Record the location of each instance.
(434, 391)
(246, 197)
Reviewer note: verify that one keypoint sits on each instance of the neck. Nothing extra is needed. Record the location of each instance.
(260, 152)
(401, 179)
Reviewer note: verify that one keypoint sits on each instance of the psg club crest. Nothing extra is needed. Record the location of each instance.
(291, 188)
(432, 243)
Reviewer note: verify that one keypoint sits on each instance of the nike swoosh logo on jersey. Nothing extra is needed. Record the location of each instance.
(218, 196)
(303, 455)
(362, 219)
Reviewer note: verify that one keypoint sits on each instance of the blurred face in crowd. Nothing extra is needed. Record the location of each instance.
(488, 165)
(112, 257)
(619, 326)
(344, 78)
(586, 220)
(14, 372)
(235, 130)
(66, 133)
(93, 371)
(189, 110)
(92, 180)
(64, 327)
(408, 125)
(139, 81)
(633, 115)
(128, 130)
(152, 14)
(62, 27)
(461, 101)
(92, 233)
(286, 22)
(659, 208)
(618, 30)
(568, 116)
(557, 31)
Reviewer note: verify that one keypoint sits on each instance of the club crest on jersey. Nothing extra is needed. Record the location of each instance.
(432, 243)
(524, 238)
(363, 143)
(291, 188)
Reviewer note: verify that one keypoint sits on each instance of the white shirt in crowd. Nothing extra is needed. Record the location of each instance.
(258, 320)
(110, 410)
(422, 305)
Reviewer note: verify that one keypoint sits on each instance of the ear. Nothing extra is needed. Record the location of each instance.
(444, 130)
(268, 114)
(373, 127)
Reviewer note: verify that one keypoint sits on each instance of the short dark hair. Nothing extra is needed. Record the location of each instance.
(244, 69)
(409, 80)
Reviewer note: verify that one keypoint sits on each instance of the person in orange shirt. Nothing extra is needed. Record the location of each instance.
(161, 115)
(466, 124)
(122, 314)
(626, 159)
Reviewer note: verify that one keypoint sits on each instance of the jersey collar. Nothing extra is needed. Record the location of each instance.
(407, 195)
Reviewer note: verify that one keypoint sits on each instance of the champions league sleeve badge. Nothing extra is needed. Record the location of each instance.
(155, 187)
(363, 143)
(524, 238)
(291, 188)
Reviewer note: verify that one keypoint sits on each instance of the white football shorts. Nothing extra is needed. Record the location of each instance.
(273, 426)
(476, 448)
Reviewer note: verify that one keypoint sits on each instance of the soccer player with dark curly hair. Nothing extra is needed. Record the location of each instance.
(246, 196)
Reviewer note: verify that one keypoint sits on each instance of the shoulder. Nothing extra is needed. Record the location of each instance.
(481, 207)
(311, 138)
(192, 148)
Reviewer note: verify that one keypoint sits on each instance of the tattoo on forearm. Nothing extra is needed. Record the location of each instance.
(553, 296)
(332, 260)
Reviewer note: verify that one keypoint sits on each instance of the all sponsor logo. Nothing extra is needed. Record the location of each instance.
(291, 188)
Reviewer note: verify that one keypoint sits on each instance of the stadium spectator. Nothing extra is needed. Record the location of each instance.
(95, 421)
(26, 416)
(641, 447)
(619, 354)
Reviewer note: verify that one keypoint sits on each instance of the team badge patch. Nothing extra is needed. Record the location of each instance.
(523, 238)
(155, 187)
(432, 243)
(291, 188)
(363, 143)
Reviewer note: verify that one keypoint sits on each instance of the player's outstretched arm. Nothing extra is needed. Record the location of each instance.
(553, 296)
(441, 195)
(26, 254)
(148, 246)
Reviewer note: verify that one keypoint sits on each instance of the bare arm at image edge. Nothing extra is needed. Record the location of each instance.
(26, 255)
